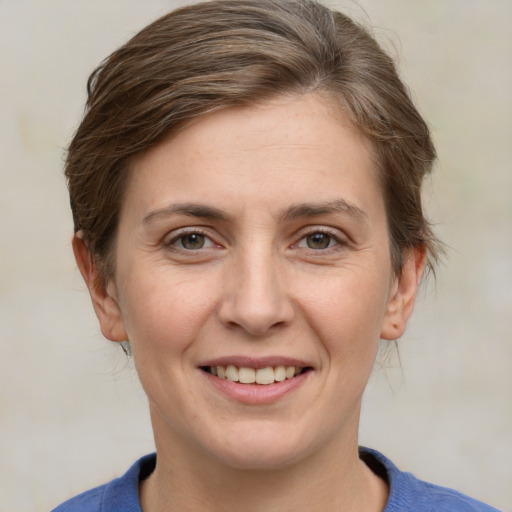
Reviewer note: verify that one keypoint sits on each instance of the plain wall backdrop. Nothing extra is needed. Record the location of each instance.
(72, 414)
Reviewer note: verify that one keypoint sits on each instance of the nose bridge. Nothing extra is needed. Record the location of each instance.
(256, 297)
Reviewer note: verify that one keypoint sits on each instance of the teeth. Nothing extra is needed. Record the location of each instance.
(290, 372)
(246, 375)
(279, 373)
(232, 373)
(265, 375)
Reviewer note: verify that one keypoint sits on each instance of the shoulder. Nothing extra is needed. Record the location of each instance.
(89, 501)
(409, 493)
(119, 494)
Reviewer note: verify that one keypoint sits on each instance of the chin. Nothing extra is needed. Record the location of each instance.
(263, 450)
(259, 460)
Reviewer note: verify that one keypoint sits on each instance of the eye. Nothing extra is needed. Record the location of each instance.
(319, 240)
(192, 241)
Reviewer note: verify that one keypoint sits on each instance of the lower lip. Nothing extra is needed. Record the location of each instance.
(256, 394)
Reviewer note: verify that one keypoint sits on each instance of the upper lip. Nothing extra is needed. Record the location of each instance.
(255, 362)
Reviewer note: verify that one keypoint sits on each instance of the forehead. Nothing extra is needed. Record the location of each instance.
(291, 147)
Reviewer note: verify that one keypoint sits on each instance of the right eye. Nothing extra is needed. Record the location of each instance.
(192, 241)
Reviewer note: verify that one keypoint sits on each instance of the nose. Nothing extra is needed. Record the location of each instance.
(255, 298)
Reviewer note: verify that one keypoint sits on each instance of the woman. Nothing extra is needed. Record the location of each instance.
(245, 188)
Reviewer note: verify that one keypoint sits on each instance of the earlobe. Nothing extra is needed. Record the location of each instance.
(103, 300)
(403, 295)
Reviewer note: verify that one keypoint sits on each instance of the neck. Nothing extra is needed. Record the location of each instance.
(334, 480)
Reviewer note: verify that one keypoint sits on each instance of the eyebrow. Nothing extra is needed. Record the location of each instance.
(301, 210)
(296, 211)
(190, 210)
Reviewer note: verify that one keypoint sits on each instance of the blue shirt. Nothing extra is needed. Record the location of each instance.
(406, 492)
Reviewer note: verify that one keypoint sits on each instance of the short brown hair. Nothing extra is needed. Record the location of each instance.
(225, 53)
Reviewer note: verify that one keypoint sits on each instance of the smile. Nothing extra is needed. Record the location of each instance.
(247, 375)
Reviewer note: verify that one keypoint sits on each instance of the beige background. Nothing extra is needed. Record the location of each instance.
(71, 412)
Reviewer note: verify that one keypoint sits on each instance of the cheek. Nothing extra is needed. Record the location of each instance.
(163, 313)
(347, 311)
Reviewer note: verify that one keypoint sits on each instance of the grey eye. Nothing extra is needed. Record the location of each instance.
(318, 241)
(192, 241)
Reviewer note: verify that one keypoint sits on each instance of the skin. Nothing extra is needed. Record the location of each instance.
(262, 285)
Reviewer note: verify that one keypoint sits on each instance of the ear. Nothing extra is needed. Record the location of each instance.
(403, 294)
(103, 299)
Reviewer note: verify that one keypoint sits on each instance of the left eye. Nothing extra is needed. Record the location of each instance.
(192, 241)
(318, 241)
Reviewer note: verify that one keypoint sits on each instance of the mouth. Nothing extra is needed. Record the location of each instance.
(248, 375)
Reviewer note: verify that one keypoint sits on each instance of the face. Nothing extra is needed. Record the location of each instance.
(254, 246)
